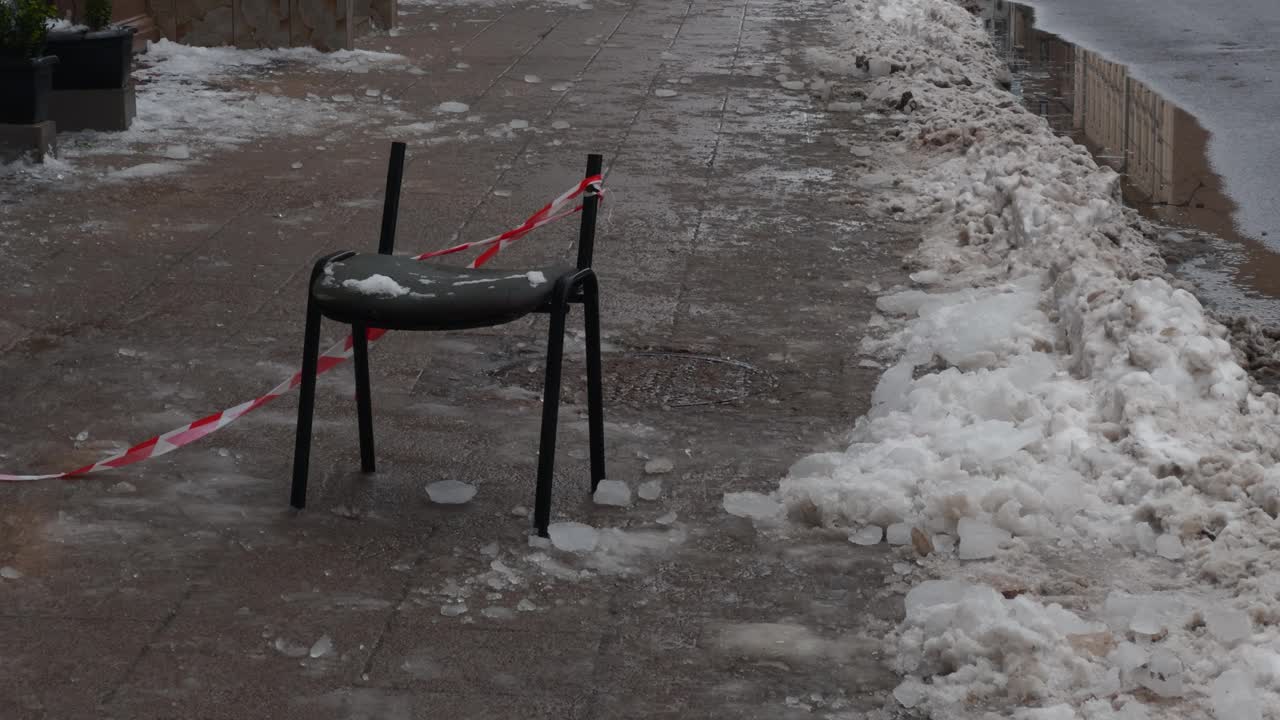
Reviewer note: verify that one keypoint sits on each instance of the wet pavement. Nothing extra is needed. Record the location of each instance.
(1216, 235)
(735, 260)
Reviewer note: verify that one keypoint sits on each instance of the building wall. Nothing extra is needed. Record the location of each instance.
(323, 24)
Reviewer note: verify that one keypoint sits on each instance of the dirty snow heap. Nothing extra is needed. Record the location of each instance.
(1064, 430)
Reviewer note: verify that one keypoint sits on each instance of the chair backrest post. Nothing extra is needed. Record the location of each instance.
(391, 202)
(590, 204)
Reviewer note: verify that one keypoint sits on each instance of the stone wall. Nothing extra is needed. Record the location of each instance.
(322, 24)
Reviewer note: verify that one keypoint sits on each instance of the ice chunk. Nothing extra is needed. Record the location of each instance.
(573, 537)
(490, 550)
(498, 613)
(321, 647)
(1145, 536)
(1146, 614)
(10, 573)
(986, 439)
(296, 165)
(1055, 712)
(1234, 697)
(452, 106)
(526, 605)
(177, 152)
(792, 84)
(532, 79)
(898, 534)
(752, 505)
(909, 693)
(1163, 674)
(665, 93)
(122, 487)
(453, 610)
(650, 490)
(288, 649)
(978, 540)
(659, 466)
(893, 386)
(612, 492)
(1228, 625)
(1170, 547)
(666, 519)
(870, 535)
(1128, 657)
(518, 124)
(450, 492)
(1146, 620)
(520, 511)
(934, 592)
(560, 125)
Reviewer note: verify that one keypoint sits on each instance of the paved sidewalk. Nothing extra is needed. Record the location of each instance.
(185, 588)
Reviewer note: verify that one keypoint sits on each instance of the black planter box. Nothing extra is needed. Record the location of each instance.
(25, 84)
(91, 60)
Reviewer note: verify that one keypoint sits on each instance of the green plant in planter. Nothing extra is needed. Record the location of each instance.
(97, 14)
(22, 27)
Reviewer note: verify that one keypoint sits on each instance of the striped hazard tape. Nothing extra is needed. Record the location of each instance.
(168, 442)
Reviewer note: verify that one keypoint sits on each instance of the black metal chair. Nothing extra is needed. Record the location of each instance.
(446, 298)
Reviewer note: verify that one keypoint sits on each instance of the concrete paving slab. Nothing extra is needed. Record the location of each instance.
(727, 235)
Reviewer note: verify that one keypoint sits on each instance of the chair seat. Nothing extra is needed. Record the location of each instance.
(399, 293)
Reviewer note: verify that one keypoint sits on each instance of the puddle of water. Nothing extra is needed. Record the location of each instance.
(1161, 150)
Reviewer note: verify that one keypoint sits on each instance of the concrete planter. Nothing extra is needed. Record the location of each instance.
(91, 60)
(25, 85)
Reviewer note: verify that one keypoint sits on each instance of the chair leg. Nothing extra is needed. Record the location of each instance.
(595, 382)
(364, 406)
(306, 407)
(550, 417)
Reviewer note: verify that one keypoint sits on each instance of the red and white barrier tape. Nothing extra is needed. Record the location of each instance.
(329, 359)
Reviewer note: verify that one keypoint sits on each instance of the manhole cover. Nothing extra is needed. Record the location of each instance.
(654, 379)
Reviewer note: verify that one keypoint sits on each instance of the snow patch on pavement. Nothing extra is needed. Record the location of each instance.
(192, 101)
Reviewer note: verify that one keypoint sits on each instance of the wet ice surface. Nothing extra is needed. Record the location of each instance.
(1215, 60)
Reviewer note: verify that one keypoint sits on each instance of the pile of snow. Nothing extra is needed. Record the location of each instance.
(165, 59)
(1057, 405)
